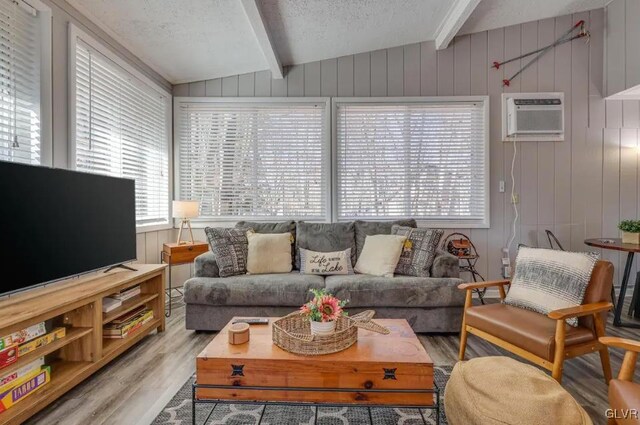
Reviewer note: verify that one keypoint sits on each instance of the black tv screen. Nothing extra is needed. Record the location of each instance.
(59, 223)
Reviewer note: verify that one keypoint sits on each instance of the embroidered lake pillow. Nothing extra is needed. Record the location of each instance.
(325, 263)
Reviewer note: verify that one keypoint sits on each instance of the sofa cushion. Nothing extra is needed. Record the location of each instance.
(281, 227)
(526, 329)
(399, 291)
(370, 228)
(325, 237)
(282, 289)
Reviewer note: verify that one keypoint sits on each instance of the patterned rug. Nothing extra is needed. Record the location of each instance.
(178, 412)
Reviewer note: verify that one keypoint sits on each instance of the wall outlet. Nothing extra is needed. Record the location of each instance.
(501, 186)
(515, 199)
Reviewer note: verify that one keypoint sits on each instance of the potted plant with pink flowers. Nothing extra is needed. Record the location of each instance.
(323, 311)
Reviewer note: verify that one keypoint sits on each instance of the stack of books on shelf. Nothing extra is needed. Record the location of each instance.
(24, 381)
(114, 301)
(128, 323)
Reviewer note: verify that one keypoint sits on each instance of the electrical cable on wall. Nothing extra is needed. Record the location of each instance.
(513, 200)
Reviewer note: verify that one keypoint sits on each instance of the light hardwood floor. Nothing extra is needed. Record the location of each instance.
(134, 388)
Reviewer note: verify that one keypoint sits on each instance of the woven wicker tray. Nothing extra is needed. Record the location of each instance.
(293, 333)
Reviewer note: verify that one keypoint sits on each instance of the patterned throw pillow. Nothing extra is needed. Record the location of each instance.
(325, 263)
(547, 280)
(229, 246)
(419, 250)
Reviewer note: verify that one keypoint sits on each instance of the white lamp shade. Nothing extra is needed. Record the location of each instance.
(186, 209)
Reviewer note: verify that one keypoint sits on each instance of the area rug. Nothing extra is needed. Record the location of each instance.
(178, 412)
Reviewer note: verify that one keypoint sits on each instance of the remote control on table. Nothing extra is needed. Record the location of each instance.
(256, 321)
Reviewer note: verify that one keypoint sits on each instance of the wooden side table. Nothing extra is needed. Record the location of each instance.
(630, 249)
(183, 253)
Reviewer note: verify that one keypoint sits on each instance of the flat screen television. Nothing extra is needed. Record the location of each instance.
(58, 223)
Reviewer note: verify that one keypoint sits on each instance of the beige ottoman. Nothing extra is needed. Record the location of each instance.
(500, 390)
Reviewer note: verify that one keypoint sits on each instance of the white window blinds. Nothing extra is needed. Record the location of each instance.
(20, 50)
(254, 160)
(121, 130)
(423, 160)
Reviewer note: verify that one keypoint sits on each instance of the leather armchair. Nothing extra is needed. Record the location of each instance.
(624, 394)
(545, 340)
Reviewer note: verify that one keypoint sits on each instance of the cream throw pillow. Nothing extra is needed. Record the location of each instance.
(268, 252)
(380, 255)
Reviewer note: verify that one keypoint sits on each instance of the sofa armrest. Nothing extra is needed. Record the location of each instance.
(445, 265)
(206, 266)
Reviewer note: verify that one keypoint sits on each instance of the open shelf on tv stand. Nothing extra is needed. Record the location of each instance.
(77, 305)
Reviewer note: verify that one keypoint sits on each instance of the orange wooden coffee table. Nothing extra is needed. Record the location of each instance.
(379, 370)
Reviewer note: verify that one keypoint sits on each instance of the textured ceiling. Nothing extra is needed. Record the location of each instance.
(190, 40)
(491, 14)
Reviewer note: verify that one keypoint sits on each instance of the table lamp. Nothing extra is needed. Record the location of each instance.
(185, 210)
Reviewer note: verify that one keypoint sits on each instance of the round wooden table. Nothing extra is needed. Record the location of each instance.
(617, 245)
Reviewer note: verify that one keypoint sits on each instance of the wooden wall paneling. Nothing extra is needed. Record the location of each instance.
(478, 68)
(629, 183)
(579, 124)
(462, 65)
(611, 193)
(613, 113)
(593, 183)
(495, 52)
(428, 69)
(596, 76)
(230, 86)
(546, 150)
(181, 89)
(395, 71)
(562, 212)
(197, 89)
(279, 86)
(478, 63)
(312, 79)
(632, 37)
(445, 71)
(512, 48)
(141, 248)
(631, 113)
(152, 252)
(345, 76)
(616, 47)
(412, 70)
(262, 84)
(362, 74)
(329, 77)
(379, 73)
(246, 85)
(529, 150)
(295, 81)
(213, 87)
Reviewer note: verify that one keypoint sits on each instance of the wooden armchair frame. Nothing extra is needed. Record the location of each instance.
(561, 353)
(628, 367)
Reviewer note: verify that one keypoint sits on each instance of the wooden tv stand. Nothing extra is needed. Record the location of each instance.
(77, 305)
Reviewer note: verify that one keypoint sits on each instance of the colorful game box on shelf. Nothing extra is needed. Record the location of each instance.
(128, 323)
(23, 335)
(20, 388)
(30, 346)
(24, 370)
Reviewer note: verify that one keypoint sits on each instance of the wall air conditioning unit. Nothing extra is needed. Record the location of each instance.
(533, 117)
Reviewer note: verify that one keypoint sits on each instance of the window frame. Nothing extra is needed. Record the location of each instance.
(46, 81)
(327, 140)
(76, 34)
(447, 224)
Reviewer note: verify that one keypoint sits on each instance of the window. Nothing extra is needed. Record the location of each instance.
(24, 82)
(255, 159)
(121, 127)
(425, 158)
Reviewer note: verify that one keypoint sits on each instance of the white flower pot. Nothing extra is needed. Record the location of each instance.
(323, 328)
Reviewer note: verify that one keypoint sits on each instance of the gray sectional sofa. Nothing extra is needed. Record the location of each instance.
(430, 304)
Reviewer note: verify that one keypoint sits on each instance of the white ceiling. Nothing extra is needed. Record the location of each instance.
(191, 40)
